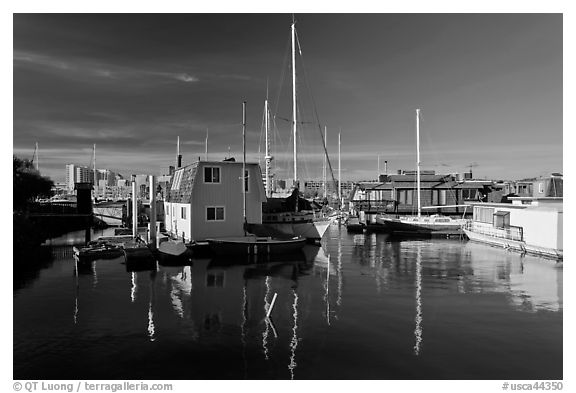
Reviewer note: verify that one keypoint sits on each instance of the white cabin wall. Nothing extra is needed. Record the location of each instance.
(174, 221)
(540, 227)
(227, 193)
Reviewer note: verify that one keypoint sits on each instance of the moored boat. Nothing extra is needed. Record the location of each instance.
(97, 250)
(353, 225)
(422, 226)
(435, 225)
(293, 215)
(254, 245)
(527, 225)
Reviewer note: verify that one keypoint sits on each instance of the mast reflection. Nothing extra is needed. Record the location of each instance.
(418, 319)
(133, 288)
(151, 329)
(294, 341)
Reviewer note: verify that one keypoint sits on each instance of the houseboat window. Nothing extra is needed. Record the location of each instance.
(441, 197)
(502, 219)
(246, 181)
(541, 188)
(215, 279)
(483, 214)
(215, 213)
(183, 212)
(438, 197)
(469, 193)
(405, 197)
(211, 174)
(177, 180)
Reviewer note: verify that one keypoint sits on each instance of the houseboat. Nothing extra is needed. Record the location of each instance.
(527, 225)
(205, 200)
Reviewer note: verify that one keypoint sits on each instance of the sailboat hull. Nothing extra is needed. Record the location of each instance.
(303, 225)
(252, 245)
(423, 226)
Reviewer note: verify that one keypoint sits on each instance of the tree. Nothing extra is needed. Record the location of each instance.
(28, 183)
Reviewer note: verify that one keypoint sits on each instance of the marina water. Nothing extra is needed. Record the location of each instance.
(361, 306)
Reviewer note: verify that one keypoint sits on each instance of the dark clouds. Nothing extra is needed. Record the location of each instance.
(131, 83)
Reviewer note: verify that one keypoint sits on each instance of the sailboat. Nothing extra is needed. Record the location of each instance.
(421, 225)
(293, 215)
(250, 244)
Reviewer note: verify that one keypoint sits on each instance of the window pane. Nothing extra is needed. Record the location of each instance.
(220, 213)
(442, 197)
(210, 214)
(246, 181)
(207, 175)
(216, 175)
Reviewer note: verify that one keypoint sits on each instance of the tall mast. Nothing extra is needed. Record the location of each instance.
(178, 155)
(339, 170)
(418, 158)
(95, 178)
(324, 167)
(35, 159)
(267, 156)
(294, 119)
(378, 175)
(206, 144)
(244, 164)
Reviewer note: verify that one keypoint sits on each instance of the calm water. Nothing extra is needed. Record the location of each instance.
(359, 307)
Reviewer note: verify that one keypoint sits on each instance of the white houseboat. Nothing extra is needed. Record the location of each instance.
(204, 200)
(528, 225)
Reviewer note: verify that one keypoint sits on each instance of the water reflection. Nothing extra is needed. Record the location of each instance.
(133, 287)
(418, 319)
(294, 341)
(530, 283)
(218, 308)
(151, 328)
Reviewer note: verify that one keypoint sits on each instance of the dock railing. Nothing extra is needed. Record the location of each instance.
(510, 232)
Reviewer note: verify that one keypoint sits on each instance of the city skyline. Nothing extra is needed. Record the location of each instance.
(489, 86)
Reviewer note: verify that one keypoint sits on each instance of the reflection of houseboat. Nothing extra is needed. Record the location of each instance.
(528, 225)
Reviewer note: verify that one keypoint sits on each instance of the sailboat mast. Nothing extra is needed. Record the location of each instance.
(178, 155)
(418, 159)
(324, 167)
(294, 119)
(95, 178)
(339, 170)
(267, 156)
(35, 159)
(206, 155)
(244, 164)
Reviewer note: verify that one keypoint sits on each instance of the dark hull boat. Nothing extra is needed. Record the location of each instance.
(98, 249)
(422, 226)
(253, 245)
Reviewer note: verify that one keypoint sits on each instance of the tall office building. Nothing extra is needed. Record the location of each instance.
(78, 174)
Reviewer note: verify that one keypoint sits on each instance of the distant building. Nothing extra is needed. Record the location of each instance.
(397, 194)
(78, 174)
(315, 188)
(550, 186)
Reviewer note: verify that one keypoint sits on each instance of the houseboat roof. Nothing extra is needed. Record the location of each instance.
(423, 178)
(475, 184)
(182, 182)
(543, 203)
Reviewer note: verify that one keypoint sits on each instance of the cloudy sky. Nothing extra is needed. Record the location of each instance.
(489, 87)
